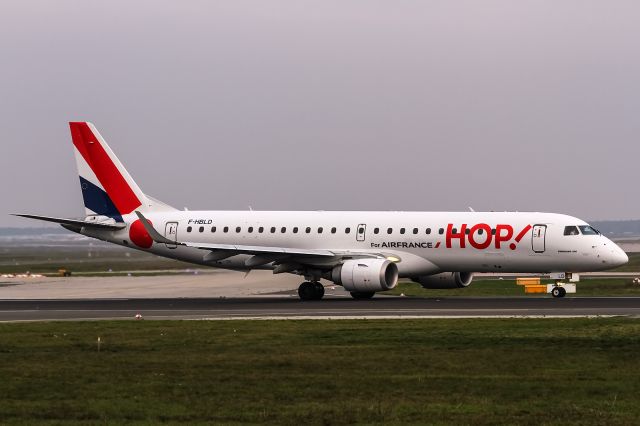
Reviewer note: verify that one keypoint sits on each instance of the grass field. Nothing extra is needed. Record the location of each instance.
(84, 261)
(486, 371)
(508, 287)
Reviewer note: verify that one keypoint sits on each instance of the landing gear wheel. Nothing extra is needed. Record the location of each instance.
(311, 291)
(319, 290)
(361, 295)
(558, 292)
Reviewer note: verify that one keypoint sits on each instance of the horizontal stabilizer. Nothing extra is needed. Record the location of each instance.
(75, 222)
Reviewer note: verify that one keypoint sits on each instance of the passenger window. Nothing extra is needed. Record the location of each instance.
(213, 229)
(295, 229)
(415, 230)
(273, 229)
(493, 231)
(320, 230)
(480, 231)
(333, 230)
(189, 229)
(389, 230)
(428, 231)
(261, 229)
(376, 230)
(571, 230)
(250, 229)
(441, 231)
(467, 231)
(238, 229)
(402, 230)
(201, 229)
(283, 229)
(307, 230)
(347, 230)
(226, 229)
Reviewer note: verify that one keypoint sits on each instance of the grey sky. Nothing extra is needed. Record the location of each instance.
(385, 105)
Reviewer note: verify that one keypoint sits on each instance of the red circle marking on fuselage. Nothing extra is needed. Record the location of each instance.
(139, 236)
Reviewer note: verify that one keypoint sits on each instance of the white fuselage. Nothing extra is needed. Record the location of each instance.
(421, 243)
(364, 252)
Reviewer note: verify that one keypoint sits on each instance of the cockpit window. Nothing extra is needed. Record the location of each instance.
(588, 230)
(571, 230)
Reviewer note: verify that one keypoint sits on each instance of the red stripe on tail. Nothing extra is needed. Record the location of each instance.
(105, 170)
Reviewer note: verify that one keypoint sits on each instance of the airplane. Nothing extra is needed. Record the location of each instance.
(364, 252)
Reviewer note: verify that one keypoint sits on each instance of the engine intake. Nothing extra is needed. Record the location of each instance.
(445, 280)
(365, 275)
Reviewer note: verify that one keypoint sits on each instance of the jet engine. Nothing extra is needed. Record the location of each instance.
(366, 275)
(445, 280)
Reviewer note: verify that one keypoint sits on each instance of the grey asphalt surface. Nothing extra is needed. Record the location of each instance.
(267, 307)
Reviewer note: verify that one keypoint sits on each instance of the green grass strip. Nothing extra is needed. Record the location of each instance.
(481, 371)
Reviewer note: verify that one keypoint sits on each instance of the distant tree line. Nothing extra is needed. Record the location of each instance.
(618, 228)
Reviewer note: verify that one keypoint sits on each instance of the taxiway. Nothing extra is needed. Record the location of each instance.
(286, 307)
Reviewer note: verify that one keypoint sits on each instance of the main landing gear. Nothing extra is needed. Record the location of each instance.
(311, 290)
(361, 295)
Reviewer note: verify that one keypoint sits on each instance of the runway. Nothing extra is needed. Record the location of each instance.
(279, 307)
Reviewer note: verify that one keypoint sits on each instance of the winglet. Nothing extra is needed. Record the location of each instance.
(155, 235)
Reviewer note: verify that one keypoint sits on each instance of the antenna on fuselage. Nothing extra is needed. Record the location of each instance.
(471, 209)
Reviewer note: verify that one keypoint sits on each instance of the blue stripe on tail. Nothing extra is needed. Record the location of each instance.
(97, 200)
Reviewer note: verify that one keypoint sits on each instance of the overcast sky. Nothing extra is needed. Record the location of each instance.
(327, 105)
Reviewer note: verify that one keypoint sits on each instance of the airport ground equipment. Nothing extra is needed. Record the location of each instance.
(560, 288)
(535, 289)
(64, 272)
(531, 285)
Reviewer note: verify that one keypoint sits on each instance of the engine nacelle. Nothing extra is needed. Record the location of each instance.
(445, 280)
(366, 275)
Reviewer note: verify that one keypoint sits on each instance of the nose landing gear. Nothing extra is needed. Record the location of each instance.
(558, 292)
(311, 290)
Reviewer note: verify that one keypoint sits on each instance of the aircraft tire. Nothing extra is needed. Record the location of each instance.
(362, 295)
(558, 292)
(319, 288)
(310, 291)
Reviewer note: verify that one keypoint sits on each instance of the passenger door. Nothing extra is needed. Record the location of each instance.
(171, 232)
(538, 234)
(360, 232)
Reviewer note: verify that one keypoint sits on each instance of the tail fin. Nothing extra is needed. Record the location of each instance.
(107, 188)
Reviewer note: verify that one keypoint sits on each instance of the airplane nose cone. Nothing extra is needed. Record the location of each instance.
(621, 257)
(618, 256)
